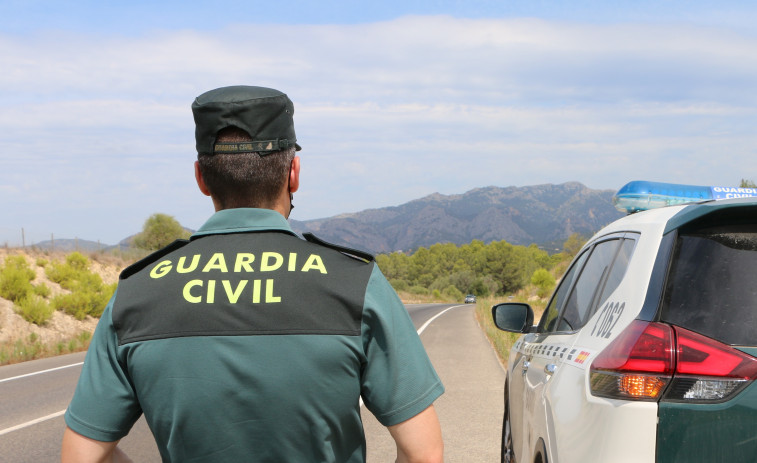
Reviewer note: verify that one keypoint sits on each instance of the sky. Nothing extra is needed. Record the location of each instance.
(394, 100)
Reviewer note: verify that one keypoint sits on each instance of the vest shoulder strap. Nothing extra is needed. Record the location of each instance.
(354, 253)
(142, 263)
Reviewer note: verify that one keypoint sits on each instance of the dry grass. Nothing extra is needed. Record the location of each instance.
(503, 341)
(30, 348)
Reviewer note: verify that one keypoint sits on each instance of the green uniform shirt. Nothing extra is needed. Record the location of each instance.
(248, 343)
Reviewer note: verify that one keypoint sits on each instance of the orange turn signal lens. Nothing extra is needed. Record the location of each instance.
(641, 386)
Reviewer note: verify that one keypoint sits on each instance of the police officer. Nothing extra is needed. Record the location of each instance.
(247, 342)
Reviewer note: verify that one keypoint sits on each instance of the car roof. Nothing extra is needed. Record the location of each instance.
(666, 219)
(690, 213)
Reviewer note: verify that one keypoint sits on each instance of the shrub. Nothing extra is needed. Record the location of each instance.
(16, 278)
(77, 261)
(34, 309)
(419, 290)
(452, 292)
(69, 272)
(84, 300)
(399, 285)
(88, 293)
(42, 290)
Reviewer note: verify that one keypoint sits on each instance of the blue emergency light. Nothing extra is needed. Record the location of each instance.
(640, 195)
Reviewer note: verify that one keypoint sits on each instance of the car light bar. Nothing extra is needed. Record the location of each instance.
(641, 195)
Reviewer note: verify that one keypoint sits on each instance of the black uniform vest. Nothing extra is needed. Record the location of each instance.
(256, 283)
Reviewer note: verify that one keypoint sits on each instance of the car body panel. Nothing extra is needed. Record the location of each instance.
(689, 433)
(518, 360)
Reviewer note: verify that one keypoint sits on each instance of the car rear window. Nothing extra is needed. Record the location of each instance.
(711, 284)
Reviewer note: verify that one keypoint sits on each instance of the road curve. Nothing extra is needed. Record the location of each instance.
(33, 396)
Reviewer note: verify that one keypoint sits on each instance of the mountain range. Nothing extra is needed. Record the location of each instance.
(542, 214)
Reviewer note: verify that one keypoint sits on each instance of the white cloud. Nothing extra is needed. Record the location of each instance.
(99, 126)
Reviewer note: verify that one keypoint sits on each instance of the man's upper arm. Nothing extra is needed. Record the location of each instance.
(80, 449)
(419, 439)
(104, 406)
(398, 380)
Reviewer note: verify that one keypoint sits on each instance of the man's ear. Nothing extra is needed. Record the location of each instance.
(200, 180)
(294, 175)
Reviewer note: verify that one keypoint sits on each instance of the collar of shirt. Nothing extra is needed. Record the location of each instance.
(243, 220)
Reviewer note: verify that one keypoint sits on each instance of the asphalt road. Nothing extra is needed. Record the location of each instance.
(33, 396)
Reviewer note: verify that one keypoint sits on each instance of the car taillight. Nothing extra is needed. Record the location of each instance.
(655, 361)
(638, 364)
(707, 370)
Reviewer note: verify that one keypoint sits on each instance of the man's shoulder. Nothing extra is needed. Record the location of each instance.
(357, 254)
(142, 263)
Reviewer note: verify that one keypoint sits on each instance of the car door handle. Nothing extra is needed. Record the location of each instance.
(550, 369)
(525, 366)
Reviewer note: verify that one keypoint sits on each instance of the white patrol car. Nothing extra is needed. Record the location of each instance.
(645, 352)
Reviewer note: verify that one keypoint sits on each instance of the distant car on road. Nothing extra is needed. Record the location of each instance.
(646, 350)
(470, 298)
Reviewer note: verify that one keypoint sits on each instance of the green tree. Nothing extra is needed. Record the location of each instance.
(747, 183)
(475, 268)
(159, 231)
(543, 280)
(573, 244)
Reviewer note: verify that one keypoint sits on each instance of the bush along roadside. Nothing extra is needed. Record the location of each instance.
(32, 348)
(30, 301)
(88, 295)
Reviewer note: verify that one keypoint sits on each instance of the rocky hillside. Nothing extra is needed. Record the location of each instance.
(61, 327)
(541, 214)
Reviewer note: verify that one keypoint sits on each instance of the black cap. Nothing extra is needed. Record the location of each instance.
(264, 113)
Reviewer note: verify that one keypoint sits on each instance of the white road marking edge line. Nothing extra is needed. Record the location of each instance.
(420, 330)
(40, 372)
(31, 423)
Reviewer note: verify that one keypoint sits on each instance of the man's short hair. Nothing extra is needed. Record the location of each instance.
(245, 179)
